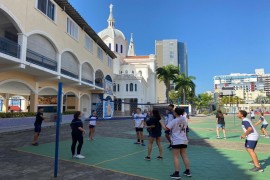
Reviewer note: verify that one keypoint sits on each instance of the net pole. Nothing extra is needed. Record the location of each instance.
(59, 118)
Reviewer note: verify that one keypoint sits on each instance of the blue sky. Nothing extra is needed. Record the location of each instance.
(222, 36)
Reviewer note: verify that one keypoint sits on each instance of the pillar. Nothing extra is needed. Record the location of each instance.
(123, 106)
(22, 41)
(33, 102)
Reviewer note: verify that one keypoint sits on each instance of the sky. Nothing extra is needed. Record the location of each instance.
(222, 36)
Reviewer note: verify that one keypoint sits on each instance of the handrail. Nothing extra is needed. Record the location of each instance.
(9, 47)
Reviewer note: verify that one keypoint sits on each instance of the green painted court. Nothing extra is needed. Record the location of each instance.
(210, 158)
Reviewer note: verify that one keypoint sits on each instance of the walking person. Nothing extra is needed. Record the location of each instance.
(169, 118)
(92, 124)
(39, 119)
(252, 115)
(252, 137)
(178, 127)
(220, 124)
(264, 125)
(138, 124)
(77, 135)
(155, 134)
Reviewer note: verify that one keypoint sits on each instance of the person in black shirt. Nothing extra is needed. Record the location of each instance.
(155, 134)
(37, 124)
(77, 135)
(220, 124)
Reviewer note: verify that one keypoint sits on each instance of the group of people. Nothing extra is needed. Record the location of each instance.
(175, 127)
(250, 133)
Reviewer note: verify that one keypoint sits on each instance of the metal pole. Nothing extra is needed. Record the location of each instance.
(59, 118)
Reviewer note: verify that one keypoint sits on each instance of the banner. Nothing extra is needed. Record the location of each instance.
(108, 108)
(108, 87)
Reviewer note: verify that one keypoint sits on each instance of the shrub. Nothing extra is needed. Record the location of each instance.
(17, 114)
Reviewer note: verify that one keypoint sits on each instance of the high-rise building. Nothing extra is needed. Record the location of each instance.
(170, 51)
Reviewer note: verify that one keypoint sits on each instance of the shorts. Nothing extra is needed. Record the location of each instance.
(168, 132)
(221, 126)
(91, 126)
(155, 135)
(137, 129)
(37, 128)
(179, 146)
(264, 126)
(252, 117)
(250, 144)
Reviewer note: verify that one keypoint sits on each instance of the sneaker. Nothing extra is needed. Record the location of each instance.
(187, 173)
(266, 137)
(147, 158)
(256, 169)
(143, 144)
(218, 137)
(35, 144)
(262, 135)
(175, 176)
(251, 162)
(137, 143)
(74, 156)
(159, 158)
(80, 156)
(224, 138)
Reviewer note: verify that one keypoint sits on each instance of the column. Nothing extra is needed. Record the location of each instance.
(123, 106)
(5, 103)
(33, 102)
(58, 60)
(22, 41)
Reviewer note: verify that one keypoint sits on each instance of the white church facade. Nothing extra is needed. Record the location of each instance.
(134, 79)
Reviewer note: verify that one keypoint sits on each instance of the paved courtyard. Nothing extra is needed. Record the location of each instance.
(114, 156)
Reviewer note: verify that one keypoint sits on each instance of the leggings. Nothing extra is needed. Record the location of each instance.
(75, 138)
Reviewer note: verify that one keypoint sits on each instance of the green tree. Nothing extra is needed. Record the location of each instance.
(262, 100)
(167, 74)
(204, 101)
(185, 86)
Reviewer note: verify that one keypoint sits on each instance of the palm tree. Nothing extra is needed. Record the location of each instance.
(185, 86)
(167, 74)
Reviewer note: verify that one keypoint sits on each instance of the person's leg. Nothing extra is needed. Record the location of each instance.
(167, 135)
(183, 152)
(176, 160)
(138, 136)
(253, 156)
(36, 134)
(224, 132)
(158, 141)
(150, 144)
(93, 134)
(217, 130)
(264, 132)
(80, 140)
(73, 145)
(35, 139)
(141, 137)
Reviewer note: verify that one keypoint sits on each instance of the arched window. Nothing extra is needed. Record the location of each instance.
(118, 87)
(126, 87)
(114, 87)
(135, 87)
(116, 48)
(121, 48)
(131, 87)
(140, 73)
(132, 72)
(121, 72)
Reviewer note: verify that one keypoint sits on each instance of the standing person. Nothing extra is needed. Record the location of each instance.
(252, 137)
(138, 124)
(92, 125)
(220, 124)
(252, 115)
(264, 125)
(169, 118)
(77, 135)
(178, 127)
(155, 134)
(39, 119)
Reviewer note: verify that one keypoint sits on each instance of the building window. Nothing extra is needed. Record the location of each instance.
(140, 73)
(72, 29)
(88, 43)
(100, 53)
(116, 48)
(109, 62)
(135, 87)
(121, 48)
(131, 87)
(126, 87)
(47, 7)
(132, 72)
(118, 87)
(114, 87)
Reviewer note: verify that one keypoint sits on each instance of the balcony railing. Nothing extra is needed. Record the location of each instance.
(99, 84)
(70, 74)
(87, 81)
(9, 47)
(40, 60)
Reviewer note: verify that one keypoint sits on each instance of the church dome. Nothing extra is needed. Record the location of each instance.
(111, 32)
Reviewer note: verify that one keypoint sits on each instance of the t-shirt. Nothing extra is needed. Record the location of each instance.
(139, 118)
(253, 136)
(157, 128)
(92, 120)
(220, 120)
(169, 118)
(39, 118)
(252, 114)
(75, 124)
(264, 122)
(178, 127)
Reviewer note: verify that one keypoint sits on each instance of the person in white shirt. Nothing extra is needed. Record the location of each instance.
(139, 124)
(252, 137)
(92, 125)
(169, 118)
(252, 115)
(179, 140)
(264, 125)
